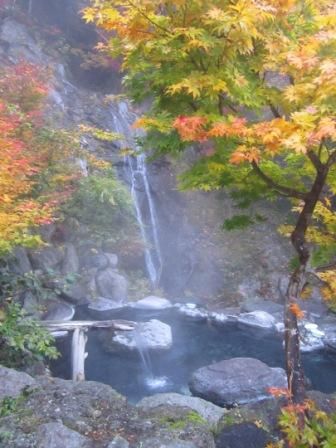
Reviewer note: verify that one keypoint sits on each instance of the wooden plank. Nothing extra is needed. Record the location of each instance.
(123, 325)
(78, 354)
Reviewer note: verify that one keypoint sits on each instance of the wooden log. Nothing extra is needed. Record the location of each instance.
(55, 325)
(79, 338)
(78, 354)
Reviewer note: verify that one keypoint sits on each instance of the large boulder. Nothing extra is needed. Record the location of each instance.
(47, 258)
(243, 435)
(12, 382)
(79, 411)
(174, 427)
(236, 381)
(329, 340)
(102, 308)
(70, 263)
(152, 303)
(57, 310)
(153, 335)
(56, 435)
(312, 337)
(21, 263)
(112, 285)
(209, 411)
(260, 319)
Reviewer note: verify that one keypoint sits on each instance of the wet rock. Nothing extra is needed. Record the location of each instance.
(12, 382)
(112, 285)
(70, 262)
(236, 381)
(151, 335)
(56, 435)
(210, 412)
(57, 310)
(193, 311)
(330, 338)
(101, 308)
(152, 303)
(224, 315)
(243, 435)
(312, 338)
(218, 318)
(260, 319)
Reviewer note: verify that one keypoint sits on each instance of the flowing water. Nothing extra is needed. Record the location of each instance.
(136, 173)
(150, 380)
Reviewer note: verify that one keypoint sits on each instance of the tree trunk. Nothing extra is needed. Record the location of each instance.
(294, 368)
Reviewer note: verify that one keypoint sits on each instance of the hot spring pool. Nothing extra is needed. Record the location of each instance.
(195, 344)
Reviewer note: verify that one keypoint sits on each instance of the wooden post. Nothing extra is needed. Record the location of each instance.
(78, 354)
(79, 338)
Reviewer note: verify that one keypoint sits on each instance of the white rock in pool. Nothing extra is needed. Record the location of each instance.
(151, 335)
(152, 303)
(257, 319)
(103, 304)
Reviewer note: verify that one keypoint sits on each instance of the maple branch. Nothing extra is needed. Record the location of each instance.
(315, 160)
(281, 189)
(140, 11)
(227, 104)
(274, 110)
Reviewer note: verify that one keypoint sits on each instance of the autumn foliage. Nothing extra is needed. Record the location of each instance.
(33, 177)
(22, 90)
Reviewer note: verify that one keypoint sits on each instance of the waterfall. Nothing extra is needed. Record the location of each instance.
(151, 381)
(136, 171)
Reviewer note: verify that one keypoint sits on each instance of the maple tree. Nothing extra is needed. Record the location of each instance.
(34, 180)
(21, 92)
(253, 84)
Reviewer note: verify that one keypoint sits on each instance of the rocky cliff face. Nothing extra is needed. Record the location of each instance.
(199, 260)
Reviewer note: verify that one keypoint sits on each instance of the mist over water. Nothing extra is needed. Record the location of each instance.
(195, 344)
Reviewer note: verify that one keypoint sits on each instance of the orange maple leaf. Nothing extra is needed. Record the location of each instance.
(296, 310)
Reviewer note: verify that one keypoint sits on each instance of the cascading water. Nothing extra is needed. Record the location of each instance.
(150, 380)
(136, 171)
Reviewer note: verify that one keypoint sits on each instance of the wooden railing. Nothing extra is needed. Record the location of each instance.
(79, 338)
